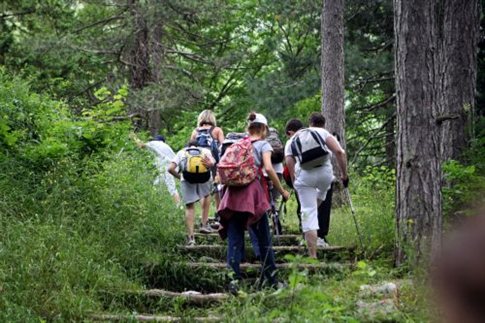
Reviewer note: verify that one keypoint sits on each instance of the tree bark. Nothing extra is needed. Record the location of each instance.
(418, 195)
(460, 35)
(332, 65)
(391, 143)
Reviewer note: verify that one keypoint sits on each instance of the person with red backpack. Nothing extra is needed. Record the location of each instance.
(245, 201)
(209, 136)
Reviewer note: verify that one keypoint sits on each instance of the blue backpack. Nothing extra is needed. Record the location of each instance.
(204, 139)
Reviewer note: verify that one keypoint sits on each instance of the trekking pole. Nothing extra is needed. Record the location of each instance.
(352, 210)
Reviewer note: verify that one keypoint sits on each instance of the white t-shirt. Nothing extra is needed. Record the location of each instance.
(324, 134)
(181, 158)
(163, 152)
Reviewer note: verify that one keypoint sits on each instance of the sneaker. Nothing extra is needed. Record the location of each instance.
(191, 241)
(233, 287)
(322, 243)
(206, 229)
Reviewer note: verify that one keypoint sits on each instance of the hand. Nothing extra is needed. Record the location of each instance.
(208, 162)
(345, 181)
(285, 194)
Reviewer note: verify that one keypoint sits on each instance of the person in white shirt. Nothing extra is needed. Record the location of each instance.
(312, 184)
(164, 155)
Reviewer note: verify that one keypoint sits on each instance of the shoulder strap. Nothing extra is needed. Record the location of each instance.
(318, 138)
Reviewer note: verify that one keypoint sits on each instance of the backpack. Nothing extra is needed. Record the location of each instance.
(193, 169)
(231, 138)
(237, 167)
(309, 148)
(278, 154)
(204, 139)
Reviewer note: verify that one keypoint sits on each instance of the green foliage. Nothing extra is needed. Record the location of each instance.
(373, 200)
(78, 211)
(464, 189)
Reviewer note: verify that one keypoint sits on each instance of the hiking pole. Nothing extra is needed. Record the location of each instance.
(352, 210)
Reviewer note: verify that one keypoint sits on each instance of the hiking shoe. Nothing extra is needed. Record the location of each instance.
(206, 229)
(191, 241)
(322, 243)
(233, 287)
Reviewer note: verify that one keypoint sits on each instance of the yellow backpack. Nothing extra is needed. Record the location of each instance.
(195, 171)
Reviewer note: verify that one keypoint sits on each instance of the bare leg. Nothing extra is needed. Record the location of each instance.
(311, 240)
(205, 204)
(189, 219)
(176, 199)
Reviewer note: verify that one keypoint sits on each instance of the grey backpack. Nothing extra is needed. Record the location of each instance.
(309, 148)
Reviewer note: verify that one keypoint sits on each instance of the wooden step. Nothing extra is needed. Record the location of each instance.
(282, 239)
(219, 250)
(151, 318)
(332, 266)
(190, 297)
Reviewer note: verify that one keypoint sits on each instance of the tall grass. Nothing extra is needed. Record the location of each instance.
(72, 232)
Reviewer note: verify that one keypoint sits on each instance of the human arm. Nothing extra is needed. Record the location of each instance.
(340, 155)
(290, 163)
(219, 135)
(172, 169)
(193, 135)
(268, 168)
(137, 141)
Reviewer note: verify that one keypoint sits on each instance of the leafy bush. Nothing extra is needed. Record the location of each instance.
(465, 186)
(78, 211)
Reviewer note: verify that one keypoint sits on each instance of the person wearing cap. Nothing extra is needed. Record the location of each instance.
(313, 184)
(247, 206)
(164, 154)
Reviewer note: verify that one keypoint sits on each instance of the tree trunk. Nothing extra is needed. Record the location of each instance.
(391, 143)
(157, 56)
(332, 44)
(139, 54)
(418, 196)
(461, 22)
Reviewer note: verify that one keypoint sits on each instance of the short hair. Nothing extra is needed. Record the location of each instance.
(293, 125)
(191, 143)
(317, 120)
(206, 117)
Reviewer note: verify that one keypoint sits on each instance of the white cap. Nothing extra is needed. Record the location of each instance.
(261, 119)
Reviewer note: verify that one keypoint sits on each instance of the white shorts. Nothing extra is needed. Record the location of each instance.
(312, 186)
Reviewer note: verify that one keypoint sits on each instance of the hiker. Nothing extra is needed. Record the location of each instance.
(247, 206)
(292, 126)
(324, 208)
(231, 138)
(308, 156)
(164, 155)
(194, 164)
(209, 135)
(277, 158)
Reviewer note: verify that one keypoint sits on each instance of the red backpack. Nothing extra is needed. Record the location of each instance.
(237, 167)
